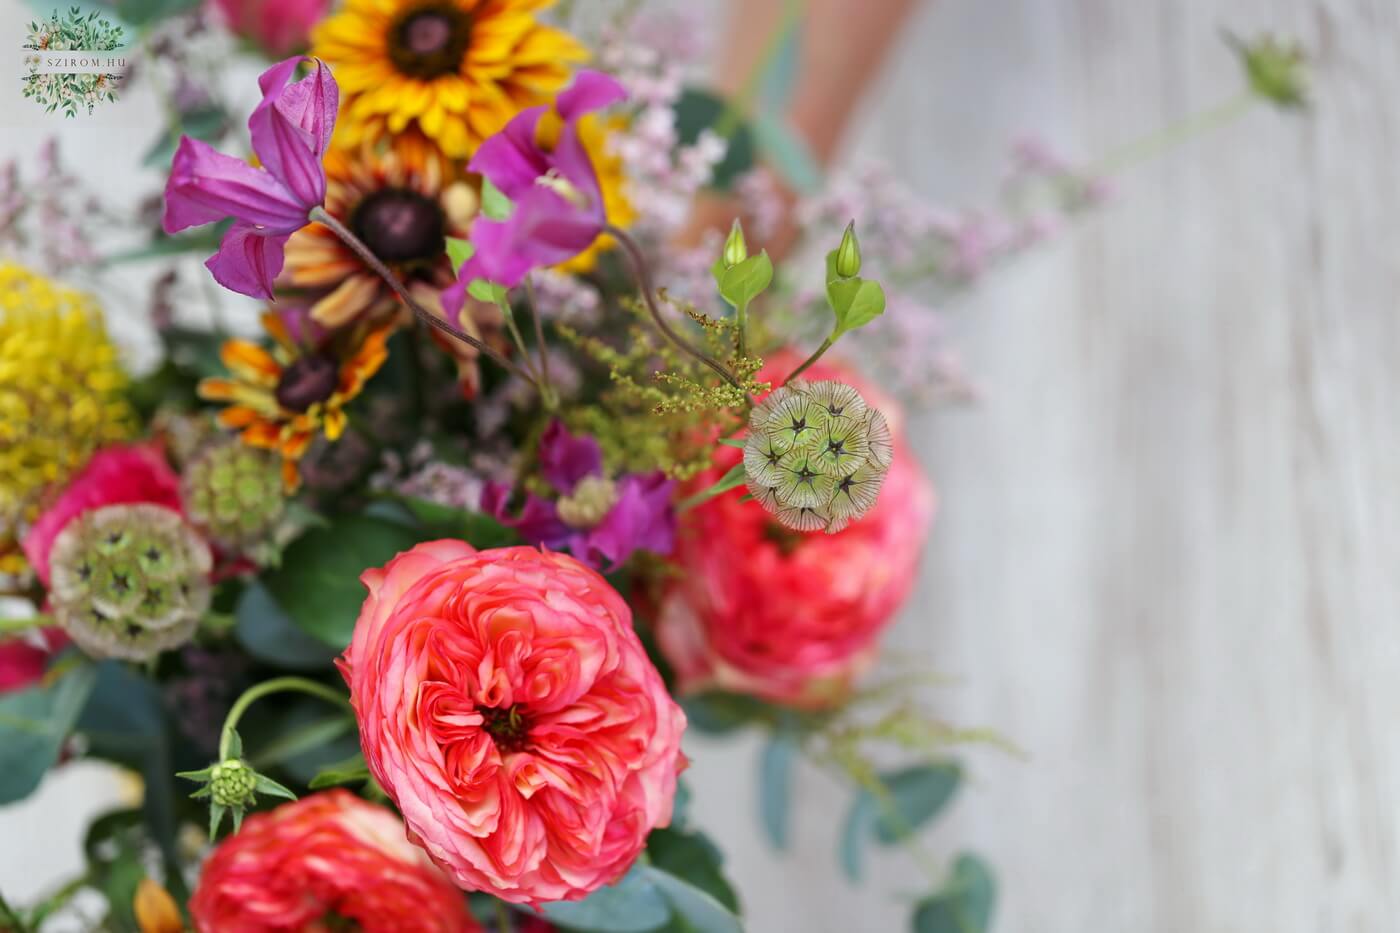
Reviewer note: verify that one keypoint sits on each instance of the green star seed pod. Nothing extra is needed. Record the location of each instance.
(129, 581)
(234, 495)
(816, 455)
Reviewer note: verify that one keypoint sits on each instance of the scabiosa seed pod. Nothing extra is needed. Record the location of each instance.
(129, 581)
(816, 455)
(233, 493)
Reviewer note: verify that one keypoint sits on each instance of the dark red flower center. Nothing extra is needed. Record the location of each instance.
(430, 40)
(508, 726)
(399, 225)
(309, 380)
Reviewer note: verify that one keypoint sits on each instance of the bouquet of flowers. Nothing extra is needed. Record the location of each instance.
(402, 607)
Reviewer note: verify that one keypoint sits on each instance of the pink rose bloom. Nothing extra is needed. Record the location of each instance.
(793, 618)
(508, 708)
(116, 475)
(325, 858)
(281, 27)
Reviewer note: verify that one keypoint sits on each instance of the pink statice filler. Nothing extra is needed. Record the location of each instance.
(290, 130)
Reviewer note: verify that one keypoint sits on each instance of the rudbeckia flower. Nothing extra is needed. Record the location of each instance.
(454, 70)
(291, 129)
(280, 399)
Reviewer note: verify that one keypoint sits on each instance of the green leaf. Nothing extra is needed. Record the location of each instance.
(700, 911)
(735, 478)
(352, 770)
(775, 772)
(489, 292)
(269, 634)
(697, 111)
(965, 902)
(733, 442)
(633, 905)
(459, 251)
(745, 281)
(318, 585)
(855, 302)
(33, 725)
(494, 203)
(297, 741)
(478, 529)
(911, 798)
(718, 712)
(266, 785)
(693, 857)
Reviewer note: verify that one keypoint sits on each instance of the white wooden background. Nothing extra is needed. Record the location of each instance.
(1166, 561)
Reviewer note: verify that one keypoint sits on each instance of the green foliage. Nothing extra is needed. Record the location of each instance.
(1276, 70)
(352, 770)
(693, 857)
(494, 203)
(459, 251)
(489, 292)
(35, 721)
(267, 632)
(699, 110)
(740, 284)
(646, 900)
(855, 301)
(777, 764)
(965, 902)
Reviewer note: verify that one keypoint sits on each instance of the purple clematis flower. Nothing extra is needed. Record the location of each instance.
(599, 520)
(290, 129)
(539, 162)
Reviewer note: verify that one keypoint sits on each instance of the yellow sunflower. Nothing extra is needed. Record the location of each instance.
(282, 398)
(457, 70)
(595, 132)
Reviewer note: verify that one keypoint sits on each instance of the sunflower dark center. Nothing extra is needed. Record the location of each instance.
(399, 225)
(508, 726)
(429, 41)
(309, 380)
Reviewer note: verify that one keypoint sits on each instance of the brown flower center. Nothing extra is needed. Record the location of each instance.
(430, 40)
(309, 380)
(399, 225)
(508, 726)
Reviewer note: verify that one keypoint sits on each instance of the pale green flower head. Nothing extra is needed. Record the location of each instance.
(234, 494)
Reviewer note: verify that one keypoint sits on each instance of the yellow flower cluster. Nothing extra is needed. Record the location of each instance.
(61, 395)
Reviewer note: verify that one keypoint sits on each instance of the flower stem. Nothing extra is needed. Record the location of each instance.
(741, 323)
(15, 626)
(320, 215)
(826, 345)
(276, 685)
(1196, 124)
(503, 921)
(643, 275)
(547, 393)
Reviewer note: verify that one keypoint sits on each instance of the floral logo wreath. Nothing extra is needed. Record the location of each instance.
(70, 91)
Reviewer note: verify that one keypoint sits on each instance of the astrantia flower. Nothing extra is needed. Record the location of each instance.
(508, 708)
(455, 70)
(795, 616)
(599, 520)
(329, 861)
(129, 581)
(291, 129)
(61, 396)
(539, 161)
(283, 397)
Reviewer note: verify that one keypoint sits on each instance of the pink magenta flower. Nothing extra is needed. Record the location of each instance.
(290, 129)
(279, 26)
(539, 162)
(116, 475)
(508, 708)
(795, 617)
(24, 658)
(325, 858)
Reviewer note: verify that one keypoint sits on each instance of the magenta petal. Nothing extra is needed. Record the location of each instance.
(591, 90)
(571, 161)
(311, 104)
(205, 185)
(248, 260)
(510, 158)
(641, 520)
(566, 459)
(290, 128)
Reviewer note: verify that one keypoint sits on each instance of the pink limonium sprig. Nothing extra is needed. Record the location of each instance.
(290, 129)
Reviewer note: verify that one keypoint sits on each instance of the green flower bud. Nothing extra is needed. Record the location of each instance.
(589, 503)
(848, 253)
(1277, 71)
(816, 455)
(233, 493)
(129, 581)
(232, 784)
(735, 249)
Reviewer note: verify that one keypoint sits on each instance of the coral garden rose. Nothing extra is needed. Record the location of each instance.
(326, 862)
(508, 708)
(797, 616)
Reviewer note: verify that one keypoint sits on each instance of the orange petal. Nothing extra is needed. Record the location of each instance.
(335, 423)
(291, 477)
(250, 362)
(238, 416)
(277, 329)
(353, 296)
(261, 434)
(294, 445)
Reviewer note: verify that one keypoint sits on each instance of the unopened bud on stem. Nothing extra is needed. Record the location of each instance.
(735, 249)
(848, 253)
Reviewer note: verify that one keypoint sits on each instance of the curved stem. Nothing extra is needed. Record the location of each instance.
(15, 626)
(826, 345)
(1194, 125)
(551, 399)
(643, 275)
(277, 684)
(366, 255)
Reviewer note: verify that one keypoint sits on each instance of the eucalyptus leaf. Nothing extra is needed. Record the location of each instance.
(965, 902)
(692, 857)
(635, 904)
(775, 773)
(33, 724)
(911, 798)
(269, 634)
(700, 911)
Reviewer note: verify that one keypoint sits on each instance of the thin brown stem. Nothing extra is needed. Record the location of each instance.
(366, 255)
(643, 275)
